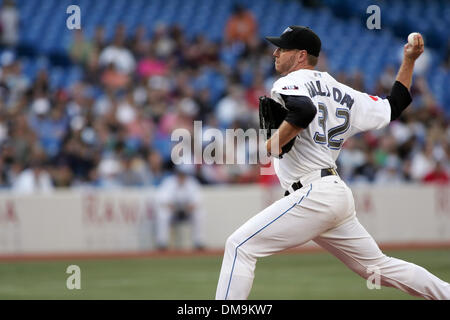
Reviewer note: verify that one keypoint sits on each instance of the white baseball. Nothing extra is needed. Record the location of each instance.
(411, 37)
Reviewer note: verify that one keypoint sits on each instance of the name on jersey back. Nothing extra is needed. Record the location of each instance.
(317, 89)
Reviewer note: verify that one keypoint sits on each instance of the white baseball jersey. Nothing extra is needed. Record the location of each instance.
(341, 113)
(323, 210)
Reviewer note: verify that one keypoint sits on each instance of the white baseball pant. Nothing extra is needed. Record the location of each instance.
(323, 211)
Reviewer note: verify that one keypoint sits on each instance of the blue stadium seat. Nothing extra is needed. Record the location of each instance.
(345, 38)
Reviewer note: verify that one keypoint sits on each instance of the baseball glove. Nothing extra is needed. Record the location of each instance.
(271, 115)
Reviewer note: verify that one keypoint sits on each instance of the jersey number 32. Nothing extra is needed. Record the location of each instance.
(329, 137)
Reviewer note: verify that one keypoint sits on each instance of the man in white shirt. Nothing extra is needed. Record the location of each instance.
(35, 179)
(118, 55)
(178, 198)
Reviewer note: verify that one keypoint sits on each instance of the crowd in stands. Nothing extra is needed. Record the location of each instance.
(113, 128)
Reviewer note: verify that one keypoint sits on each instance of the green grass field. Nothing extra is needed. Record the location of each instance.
(284, 276)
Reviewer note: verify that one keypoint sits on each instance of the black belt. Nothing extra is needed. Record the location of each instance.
(323, 173)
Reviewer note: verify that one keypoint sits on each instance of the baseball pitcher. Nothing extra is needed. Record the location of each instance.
(319, 114)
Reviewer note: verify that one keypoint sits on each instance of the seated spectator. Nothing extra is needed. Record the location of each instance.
(155, 173)
(81, 51)
(241, 25)
(118, 55)
(366, 172)
(139, 42)
(232, 107)
(107, 173)
(20, 141)
(41, 85)
(126, 112)
(14, 81)
(150, 65)
(35, 179)
(132, 171)
(80, 158)
(104, 103)
(50, 126)
(203, 100)
(350, 158)
(422, 162)
(98, 40)
(163, 42)
(390, 174)
(62, 175)
(139, 132)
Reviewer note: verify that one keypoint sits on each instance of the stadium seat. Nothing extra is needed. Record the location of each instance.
(335, 21)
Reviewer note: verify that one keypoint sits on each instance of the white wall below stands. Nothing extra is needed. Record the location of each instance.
(123, 221)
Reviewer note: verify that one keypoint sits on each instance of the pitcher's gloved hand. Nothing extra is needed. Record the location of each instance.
(271, 115)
